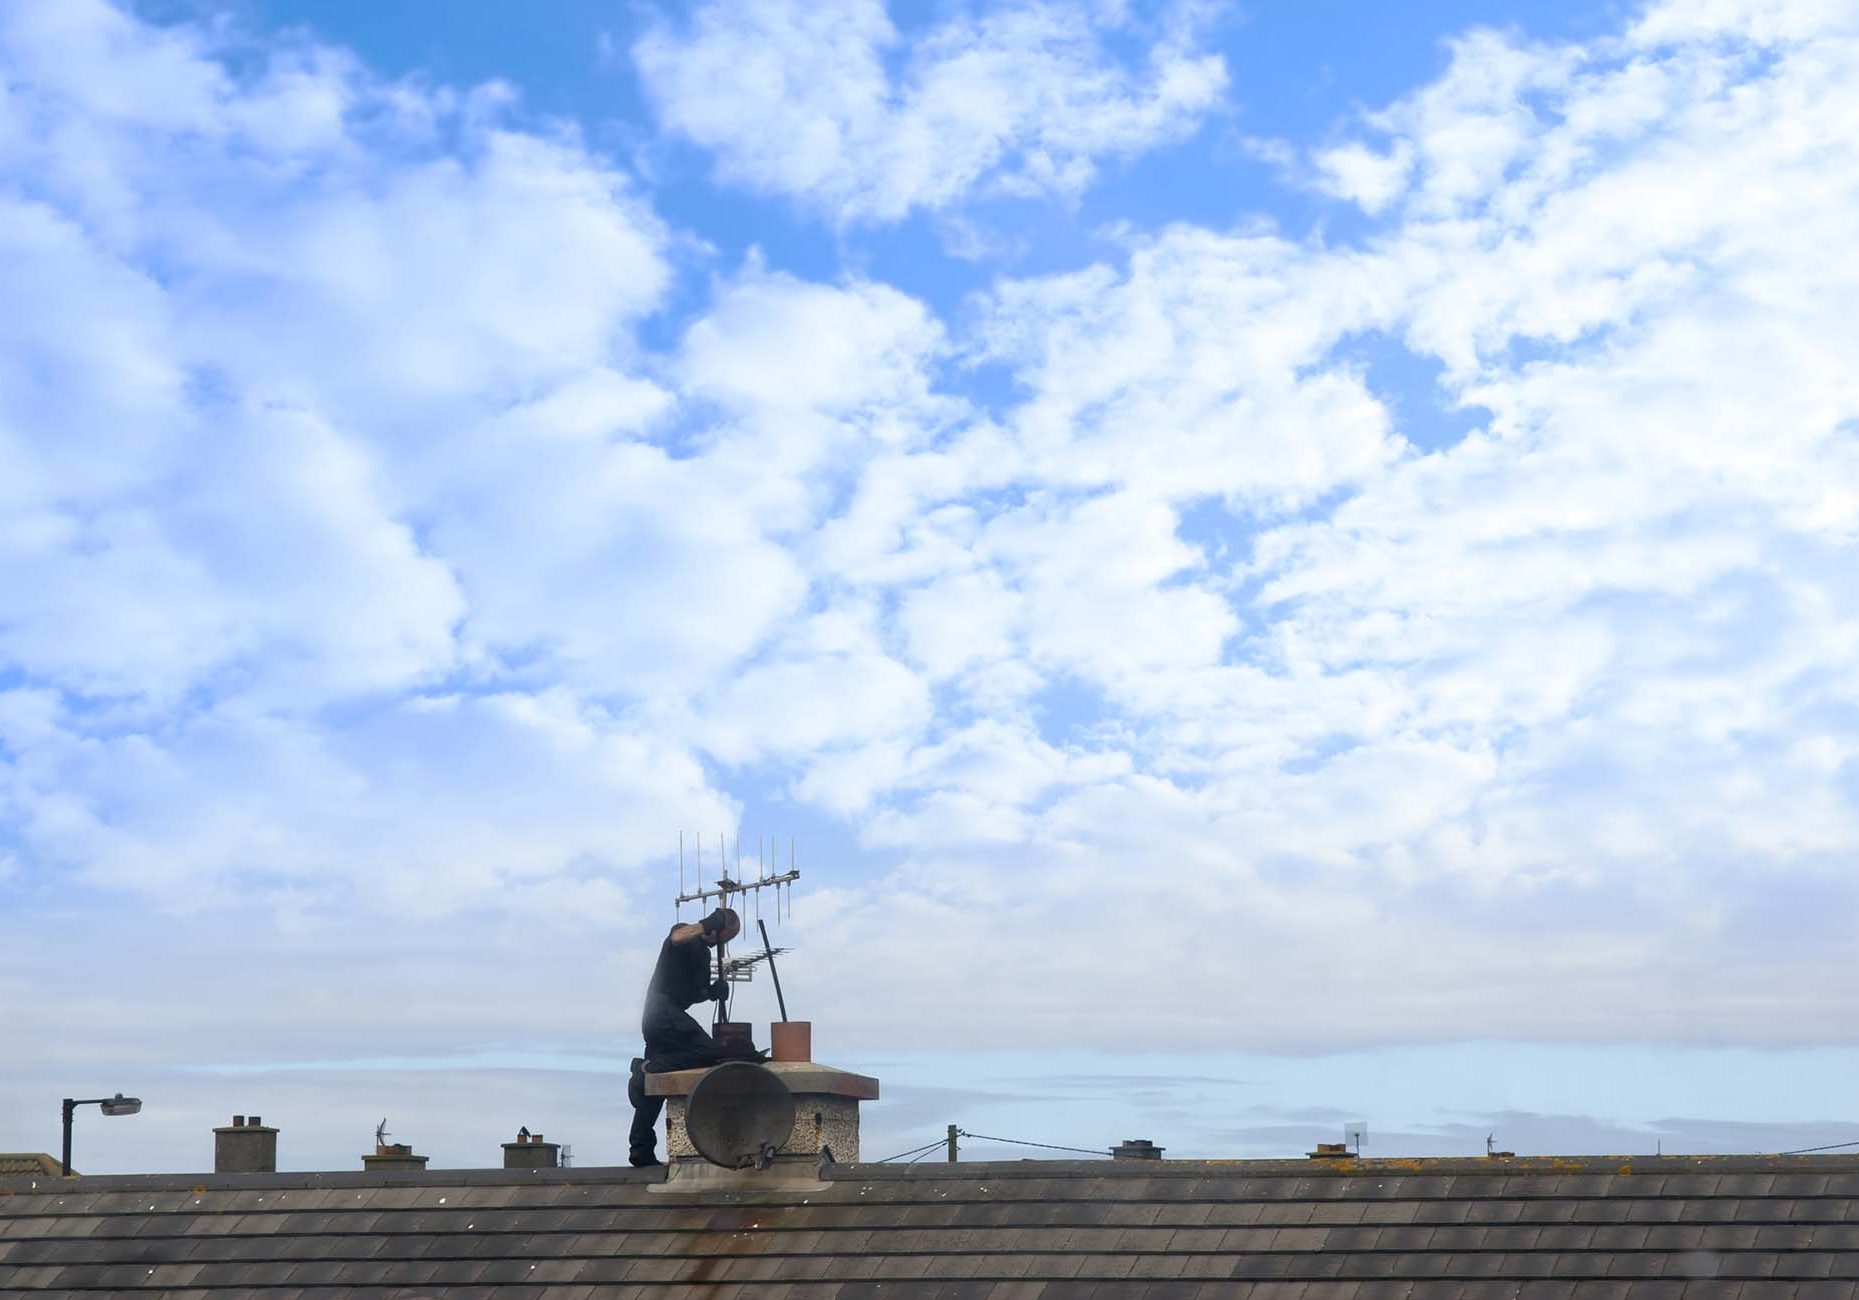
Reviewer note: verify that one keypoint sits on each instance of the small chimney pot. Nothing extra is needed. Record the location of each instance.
(1137, 1149)
(792, 1040)
(734, 1035)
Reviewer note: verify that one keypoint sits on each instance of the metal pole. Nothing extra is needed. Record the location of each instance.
(722, 1003)
(70, 1108)
(951, 1144)
(769, 948)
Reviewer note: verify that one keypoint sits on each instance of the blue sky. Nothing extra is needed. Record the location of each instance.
(1301, 546)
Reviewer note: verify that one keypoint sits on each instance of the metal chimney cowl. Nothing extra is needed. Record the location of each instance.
(245, 1146)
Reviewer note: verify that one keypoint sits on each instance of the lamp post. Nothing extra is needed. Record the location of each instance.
(117, 1105)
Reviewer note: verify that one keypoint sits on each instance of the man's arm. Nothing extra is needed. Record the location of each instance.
(712, 924)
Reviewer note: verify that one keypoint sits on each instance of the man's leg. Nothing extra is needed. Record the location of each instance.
(643, 1141)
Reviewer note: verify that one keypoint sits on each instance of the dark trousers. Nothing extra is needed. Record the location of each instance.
(642, 1142)
(673, 1041)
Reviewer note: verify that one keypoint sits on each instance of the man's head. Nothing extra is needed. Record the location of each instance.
(721, 926)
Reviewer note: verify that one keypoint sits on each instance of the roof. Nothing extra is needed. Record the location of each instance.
(1677, 1228)
(27, 1162)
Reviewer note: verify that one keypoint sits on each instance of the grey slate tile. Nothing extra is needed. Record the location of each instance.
(1829, 1290)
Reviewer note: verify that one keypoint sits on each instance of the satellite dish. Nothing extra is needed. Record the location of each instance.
(738, 1115)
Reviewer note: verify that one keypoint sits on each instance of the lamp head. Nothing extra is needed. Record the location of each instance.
(121, 1105)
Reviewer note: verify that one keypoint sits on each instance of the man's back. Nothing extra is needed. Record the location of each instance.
(682, 975)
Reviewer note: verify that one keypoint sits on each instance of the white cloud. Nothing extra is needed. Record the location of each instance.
(1369, 179)
(286, 323)
(797, 99)
(772, 341)
(1581, 678)
(356, 552)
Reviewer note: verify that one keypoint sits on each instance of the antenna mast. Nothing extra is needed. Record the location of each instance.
(737, 970)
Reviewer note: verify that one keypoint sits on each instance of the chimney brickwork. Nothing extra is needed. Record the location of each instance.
(826, 1109)
(245, 1146)
(394, 1157)
(529, 1151)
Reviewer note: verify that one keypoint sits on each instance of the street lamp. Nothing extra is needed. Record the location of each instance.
(117, 1105)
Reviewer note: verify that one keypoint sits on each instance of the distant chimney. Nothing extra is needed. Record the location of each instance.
(245, 1146)
(1137, 1149)
(529, 1151)
(1332, 1151)
(394, 1157)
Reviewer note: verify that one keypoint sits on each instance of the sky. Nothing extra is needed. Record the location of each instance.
(1274, 565)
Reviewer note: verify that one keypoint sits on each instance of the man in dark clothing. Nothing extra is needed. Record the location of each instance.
(673, 1038)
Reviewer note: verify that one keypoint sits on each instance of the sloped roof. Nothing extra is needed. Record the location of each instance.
(1673, 1227)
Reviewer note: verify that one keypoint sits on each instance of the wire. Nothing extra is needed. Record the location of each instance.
(983, 1137)
(1832, 1146)
(913, 1150)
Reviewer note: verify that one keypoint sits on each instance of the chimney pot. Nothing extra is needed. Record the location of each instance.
(238, 1121)
(1137, 1149)
(1332, 1151)
(254, 1122)
(792, 1040)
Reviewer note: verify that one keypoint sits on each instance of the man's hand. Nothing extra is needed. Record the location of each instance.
(719, 989)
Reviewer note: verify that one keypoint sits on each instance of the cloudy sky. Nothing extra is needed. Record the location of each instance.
(1278, 563)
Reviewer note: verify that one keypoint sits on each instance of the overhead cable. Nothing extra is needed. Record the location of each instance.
(913, 1150)
(1021, 1142)
(1831, 1146)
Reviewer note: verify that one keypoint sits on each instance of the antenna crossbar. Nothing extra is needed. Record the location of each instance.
(741, 970)
(726, 887)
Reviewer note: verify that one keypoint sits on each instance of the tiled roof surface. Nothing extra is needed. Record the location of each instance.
(26, 1162)
(1675, 1228)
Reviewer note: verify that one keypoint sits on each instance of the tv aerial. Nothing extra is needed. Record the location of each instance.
(747, 895)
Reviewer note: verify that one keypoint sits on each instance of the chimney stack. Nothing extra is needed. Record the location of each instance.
(394, 1157)
(826, 1106)
(245, 1146)
(1332, 1151)
(529, 1151)
(1137, 1149)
